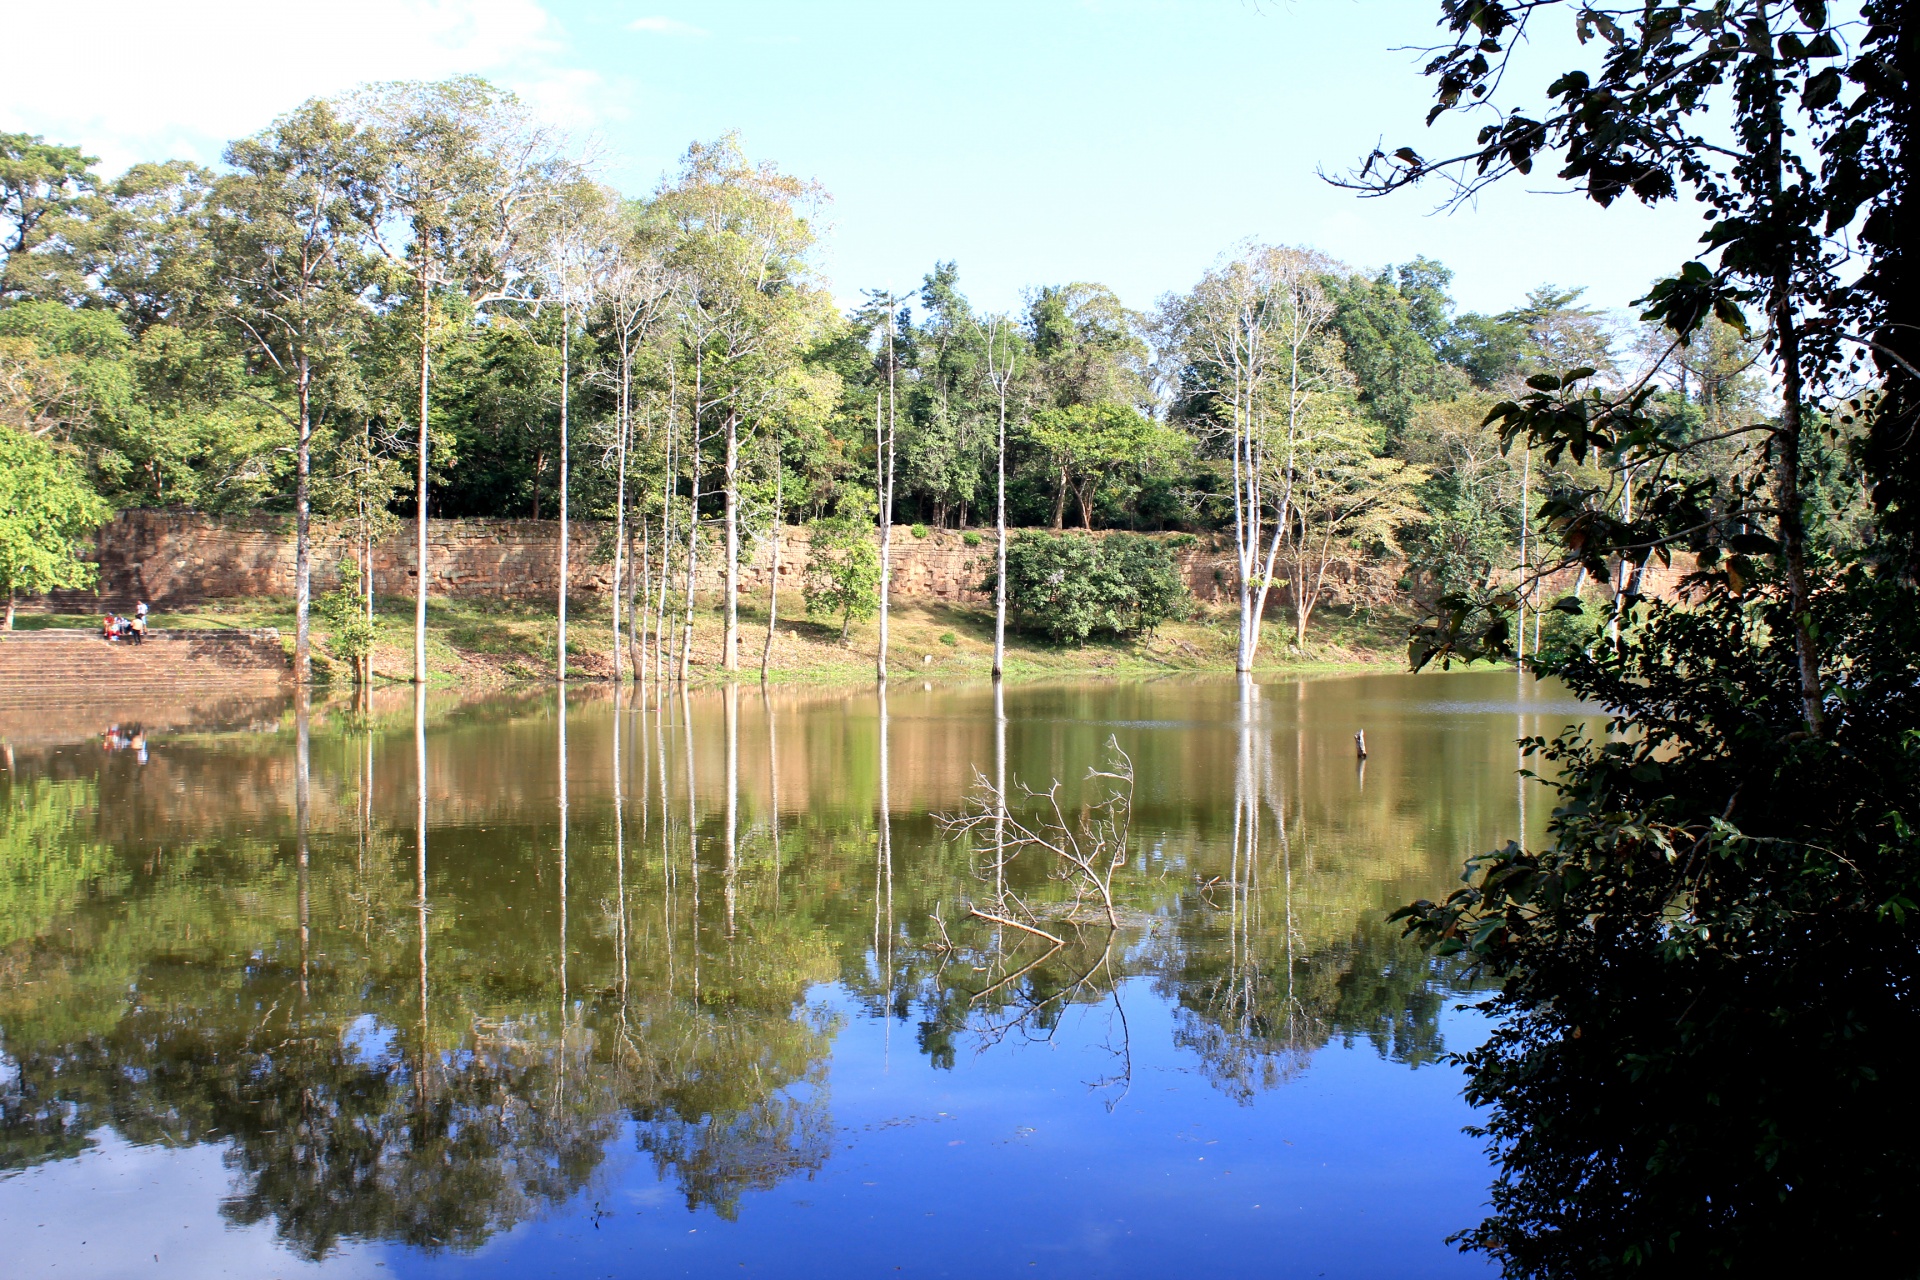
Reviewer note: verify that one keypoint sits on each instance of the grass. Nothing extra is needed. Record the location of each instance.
(491, 643)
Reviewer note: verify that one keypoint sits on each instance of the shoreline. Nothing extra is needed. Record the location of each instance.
(482, 645)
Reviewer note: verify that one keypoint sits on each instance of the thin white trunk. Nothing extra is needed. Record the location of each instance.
(621, 429)
(560, 635)
(730, 645)
(420, 502)
(773, 578)
(303, 529)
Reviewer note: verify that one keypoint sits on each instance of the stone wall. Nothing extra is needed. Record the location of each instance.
(173, 559)
(177, 558)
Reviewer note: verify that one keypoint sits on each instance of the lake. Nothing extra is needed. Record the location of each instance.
(499, 987)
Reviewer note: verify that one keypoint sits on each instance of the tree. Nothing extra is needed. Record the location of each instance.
(45, 188)
(1348, 500)
(742, 233)
(578, 252)
(1737, 863)
(1002, 366)
(1087, 347)
(637, 289)
(1253, 345)
(468, 174)
(290, 238)
(46, 509)
(1392, 331)
(1091, 446)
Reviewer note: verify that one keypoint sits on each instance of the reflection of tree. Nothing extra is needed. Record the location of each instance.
(275, 1004)
(152, 978)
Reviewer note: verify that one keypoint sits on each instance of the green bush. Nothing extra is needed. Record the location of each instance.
(1069, 588)
(949, 639)
(918, 531)
(350, 634)
(970, 539)
(843, 571)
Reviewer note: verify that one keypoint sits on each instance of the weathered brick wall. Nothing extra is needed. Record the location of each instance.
(176, 558)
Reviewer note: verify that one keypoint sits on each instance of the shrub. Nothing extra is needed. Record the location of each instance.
(843, 571)
(950, 639)
(970, 539)
(350, 634)
(918, 531)
(1069, 588)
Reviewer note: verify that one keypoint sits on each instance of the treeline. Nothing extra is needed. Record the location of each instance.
(414, 296)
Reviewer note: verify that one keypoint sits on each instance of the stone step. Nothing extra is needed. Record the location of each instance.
(59, 660)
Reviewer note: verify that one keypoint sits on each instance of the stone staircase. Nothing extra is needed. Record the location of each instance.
(55, 666)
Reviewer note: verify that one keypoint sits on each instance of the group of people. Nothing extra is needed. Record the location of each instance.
(133, 629)
(132, 739)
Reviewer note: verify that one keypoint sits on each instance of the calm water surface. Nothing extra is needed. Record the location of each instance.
(622, 991)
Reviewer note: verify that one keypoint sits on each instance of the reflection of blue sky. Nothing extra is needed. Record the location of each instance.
(123, 1210)
(1355, 1167)
(368, 1041)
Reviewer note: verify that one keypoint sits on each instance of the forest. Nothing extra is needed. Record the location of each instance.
(418, 297)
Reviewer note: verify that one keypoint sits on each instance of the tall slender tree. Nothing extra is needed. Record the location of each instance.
(291, 238)
(742, 233)
(468, 175)
(1002, 364)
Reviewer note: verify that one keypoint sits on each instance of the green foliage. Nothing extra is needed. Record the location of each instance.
(949, 639)
(918, 531)
(46, 510)
(1702, 1056)
(1069, 588)
(970, 539)
(843, 568)
(1091, 448)
(1391, 331)
(344, 611)
(43, 187)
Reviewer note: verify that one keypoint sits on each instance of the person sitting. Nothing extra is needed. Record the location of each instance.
(109, 627)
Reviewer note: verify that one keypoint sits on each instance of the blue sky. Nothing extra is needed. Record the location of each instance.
(1125, 141)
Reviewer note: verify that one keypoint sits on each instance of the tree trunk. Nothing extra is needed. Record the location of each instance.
(303, 528)
(883, 464)
(773, 579)
(730, 644)
(1786, 452)
(420, 502)
(560, 635)
(9, 625)
(1000, 540)
(1084, 492)
(693, 557)
(1060, 502)
(620, 509)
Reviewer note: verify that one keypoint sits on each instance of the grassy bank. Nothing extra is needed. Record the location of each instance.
(487, 643)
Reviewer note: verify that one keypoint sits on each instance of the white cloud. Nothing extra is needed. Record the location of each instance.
(660, 26)
(182, 79)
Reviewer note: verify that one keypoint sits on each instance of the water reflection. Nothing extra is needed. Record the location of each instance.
(245, 943)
